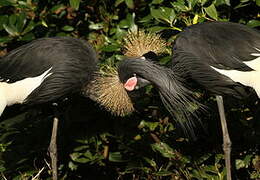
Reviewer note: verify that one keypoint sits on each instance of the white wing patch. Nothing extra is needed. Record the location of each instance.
(247, 78)
(3, 102)
(256, 54)
(17, 92)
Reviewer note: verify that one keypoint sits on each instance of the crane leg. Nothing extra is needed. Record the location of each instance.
(226, 140)
(53, 149)
(53, 146)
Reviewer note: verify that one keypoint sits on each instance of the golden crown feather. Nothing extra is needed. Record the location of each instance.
(109, 92)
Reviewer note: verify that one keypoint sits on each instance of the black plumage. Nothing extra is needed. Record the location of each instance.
(222, 45)
(222, 57)
(178, 100)
(46, 70)
(71, 63)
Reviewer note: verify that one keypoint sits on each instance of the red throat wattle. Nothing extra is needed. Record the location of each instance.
(130, 84)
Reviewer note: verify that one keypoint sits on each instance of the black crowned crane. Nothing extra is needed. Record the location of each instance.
(222, 57)
(47, 70)
(216, 55)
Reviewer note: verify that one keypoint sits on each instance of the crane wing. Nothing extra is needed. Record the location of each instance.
(223, 45)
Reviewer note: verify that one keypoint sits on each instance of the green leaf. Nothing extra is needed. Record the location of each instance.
(7, 2)
(157, 1)
(116, 157)
(146, 19)
(3, 147)
(75, 156)
(239, 164)
(21, 21)
(150, 125)
(81, 158)
(57, 8)
(129, 22)
(221, 2)
(156, 29)
(110, 48)
(72, 166)
(165, 60)
(29, 27)
(218, 158)
(211, 169)
(164, 13)
(27, 37)
(88, 155)
(118, 2)
(245, 163)
(130, 4)
(5, 39)
(164, 149)
(124, 23)
(242, 4)
(96, 26)
(257, 2)
(2, 168)
(180, 5)
(203, 158)
(151, 162)
(192, 3)
(212, 12)
(11, 30)
(253, 23)
(163, 173)
(3, 20)
(80, 148)
(67, 28)
(61, 34)
(24, 4)
(228, 2)
(119, 33)
(203, 2)
(131, 18)
(75, 4)
(247, 160)
(12, 19)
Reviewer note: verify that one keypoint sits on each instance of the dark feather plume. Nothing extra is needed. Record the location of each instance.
(178, 100)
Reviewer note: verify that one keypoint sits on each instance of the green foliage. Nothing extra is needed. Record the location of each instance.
(146, 145)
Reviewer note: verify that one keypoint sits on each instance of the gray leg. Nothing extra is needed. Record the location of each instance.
(53, 149)
(226, 139)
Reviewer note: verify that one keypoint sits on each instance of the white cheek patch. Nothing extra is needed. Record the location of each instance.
(130, 84)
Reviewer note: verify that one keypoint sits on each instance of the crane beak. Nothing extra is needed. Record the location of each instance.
(141, 83)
